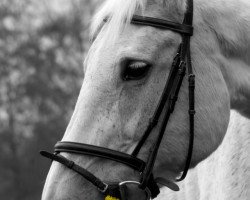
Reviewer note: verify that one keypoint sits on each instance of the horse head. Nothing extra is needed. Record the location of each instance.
(126, 70)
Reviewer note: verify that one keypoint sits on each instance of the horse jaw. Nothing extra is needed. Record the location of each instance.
(230, 29)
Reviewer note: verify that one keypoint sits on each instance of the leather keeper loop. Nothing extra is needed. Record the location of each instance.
(70, 164)
(192, 112)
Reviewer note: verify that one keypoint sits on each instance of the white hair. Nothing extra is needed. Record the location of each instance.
(120, 12)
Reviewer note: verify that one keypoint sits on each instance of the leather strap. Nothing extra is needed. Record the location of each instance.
(188, 19)
(159, 109)
(169, 109)
(163, 24)
(91, 150)
(78, 169)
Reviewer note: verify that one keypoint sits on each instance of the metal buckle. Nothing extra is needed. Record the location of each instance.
(147, 191)
(104, 189)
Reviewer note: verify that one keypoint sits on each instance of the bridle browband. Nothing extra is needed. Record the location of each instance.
(181, 62)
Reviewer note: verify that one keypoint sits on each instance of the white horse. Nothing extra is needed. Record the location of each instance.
(113, 112)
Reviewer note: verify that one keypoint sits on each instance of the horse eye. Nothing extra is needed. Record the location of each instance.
(135, 70)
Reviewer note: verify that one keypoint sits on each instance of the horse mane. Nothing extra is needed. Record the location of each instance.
(120, 12)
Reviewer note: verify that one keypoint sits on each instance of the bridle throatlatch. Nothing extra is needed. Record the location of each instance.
(147, 182)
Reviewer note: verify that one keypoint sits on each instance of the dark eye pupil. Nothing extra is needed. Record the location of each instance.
(135, 70)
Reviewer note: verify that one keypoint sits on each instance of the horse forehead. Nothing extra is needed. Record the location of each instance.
(148, 39)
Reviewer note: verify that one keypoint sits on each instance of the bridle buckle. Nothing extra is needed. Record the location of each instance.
(104, 189)
(146, 190)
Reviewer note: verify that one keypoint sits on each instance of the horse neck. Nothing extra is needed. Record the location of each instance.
(228, 22)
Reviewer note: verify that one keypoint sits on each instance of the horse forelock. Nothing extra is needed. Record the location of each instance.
(120, 12)
(117, 12)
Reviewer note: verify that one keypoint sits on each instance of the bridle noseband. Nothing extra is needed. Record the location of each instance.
(148, 183)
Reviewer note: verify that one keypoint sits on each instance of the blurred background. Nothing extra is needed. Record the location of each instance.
(42, 48)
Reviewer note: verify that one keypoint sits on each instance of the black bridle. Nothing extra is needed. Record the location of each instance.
(181, 62)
